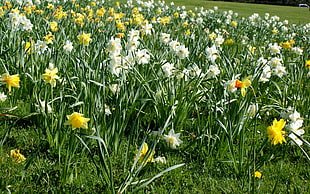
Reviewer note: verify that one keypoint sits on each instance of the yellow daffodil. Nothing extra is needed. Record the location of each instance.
(84, 38)
(76, 120)
(28, 47)
(229, 41)
(17, 156)
(11, 80)
(275, 133)
(286, 45)
(49, 38)
(143, 153)
(1, 12)
(165, 20)
(243, 85)
(50, 6)
(100, 12)
(257, 174)
(234, 24)
(308, 64)
(54, 26)
(50, 76)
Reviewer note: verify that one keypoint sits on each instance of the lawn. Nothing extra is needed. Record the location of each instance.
(292, 14)
(152, 97)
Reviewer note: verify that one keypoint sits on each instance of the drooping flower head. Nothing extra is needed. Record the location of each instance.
(76, 120)
(11, 80)
(275, 133)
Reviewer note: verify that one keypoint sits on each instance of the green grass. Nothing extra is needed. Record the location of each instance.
(292, 14)
(229, 98)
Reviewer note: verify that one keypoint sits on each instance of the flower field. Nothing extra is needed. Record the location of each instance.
(103, 96)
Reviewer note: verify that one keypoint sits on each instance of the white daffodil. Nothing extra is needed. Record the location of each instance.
(173, 139)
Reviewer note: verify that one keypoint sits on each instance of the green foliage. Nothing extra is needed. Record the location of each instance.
(184, 100)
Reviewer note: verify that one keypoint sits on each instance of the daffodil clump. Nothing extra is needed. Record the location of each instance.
(207, 79)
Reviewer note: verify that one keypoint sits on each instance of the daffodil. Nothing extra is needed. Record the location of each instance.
(76, 120)
(307, 64)
(257, 174)
(11, 80)
(143, 153)
(275, 133)
(84, 38)
(17, 156)
(49, 38)
(243, 85)
(173, 139)
(54, 26)
(50, 76)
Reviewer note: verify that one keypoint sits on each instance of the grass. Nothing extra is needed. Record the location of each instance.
(150, 98)
(295, 15)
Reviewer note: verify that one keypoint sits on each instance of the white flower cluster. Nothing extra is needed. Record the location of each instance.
(294, 124)
(19, 22)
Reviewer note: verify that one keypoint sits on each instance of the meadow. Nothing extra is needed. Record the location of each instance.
(151, 97)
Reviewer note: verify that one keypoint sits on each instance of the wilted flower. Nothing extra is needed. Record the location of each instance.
(173, 139)
(17, 156)
(115, 88)
(275, 133)
(76, 120)
(11, 80)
